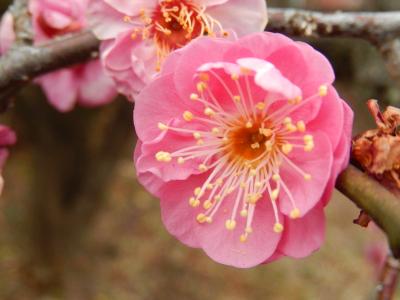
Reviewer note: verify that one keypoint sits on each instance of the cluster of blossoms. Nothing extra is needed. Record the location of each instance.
(241, 137)
(138, 35)
(244, 145)
(85, 84)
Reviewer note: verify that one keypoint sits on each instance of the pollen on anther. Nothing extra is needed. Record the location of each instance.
(194, 96)
(235, 76)
(197, 135)
(274, 194)
(244, 213)
(187, 116)
(201, 86)
(194, 202)
(181, 160)
(307, 177)
(230, 224)
(301, 126)
(215, 131)
(287, 148)
(323, 90)
(260, 105)
(203, 168)
(236, 98)
(204, 77)
(276, 177)
(201, 218)
(249, 124)
(278, 227)
(243, 238)
(207, 204)
(209, 112)
(197, 191)
(162, 126)
(295, 213)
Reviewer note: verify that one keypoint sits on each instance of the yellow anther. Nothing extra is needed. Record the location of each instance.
(225, 33)
(298, 99)
(235, 76)
(307, 177)
(194, 97)
(254, 198)
(236, 98)
(295, 213)
(230, 224)
(217, 198)
(187, 116)
(301, 126)
(287, 120)
(197, 191)
(245, 71)
(309, 147)
(208, 220)
(260, 105)
(203, 168)
(323, 90)
(276, 177)
(219, 181)
(197, 135)
(200, 142)
(255, 146)
(204, 77)
(278, 227)
(243, 185)
(244, 213)
(287, 148)
(162, 126)
(274, 194)
(253, 172)
(268, 145)
(243, 238)
(163, 156)
(126, 18)
(201, 86)
(207, 204)
(181, 160)
(258, 184)
(290, 127)
(215, 131)
(201, 218)
(308, 138)
(194, 202)
(266, 132)
(248, 230)
(249, 124)
(209, 112)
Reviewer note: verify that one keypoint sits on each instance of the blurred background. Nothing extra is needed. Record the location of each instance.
(75, 224)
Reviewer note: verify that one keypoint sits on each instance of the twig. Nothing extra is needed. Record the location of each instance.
(382, 29)
(380, 204)
(24, 63)
(22, 22)
(388, 279)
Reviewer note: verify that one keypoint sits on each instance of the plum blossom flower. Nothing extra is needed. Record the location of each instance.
(243, 146)
(7, 138)
(138, 35)
(85, 84)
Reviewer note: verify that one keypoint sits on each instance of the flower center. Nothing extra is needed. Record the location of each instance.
(242, 151)
(172, 24)
(248, 139)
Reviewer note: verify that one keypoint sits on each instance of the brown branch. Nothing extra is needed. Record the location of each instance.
(382, 29)
(23, 63)
(380, 204)
(22, 22)
(388, 278)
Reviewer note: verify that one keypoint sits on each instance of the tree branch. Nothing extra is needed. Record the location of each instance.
(23, 63)
(380, 204)
(382, 29)
(22, 22)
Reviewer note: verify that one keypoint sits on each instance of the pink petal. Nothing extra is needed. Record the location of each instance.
(7, 35)
(105, 21)
(317, 163)
(95, 87)
(131, 8)
(61, 89)
(303, 236)
(252, 13)
(210, 2)
(224, 246)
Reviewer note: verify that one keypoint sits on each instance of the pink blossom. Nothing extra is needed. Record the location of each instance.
(138, 35)
(243, 146)
(85, 84)
(7, 138)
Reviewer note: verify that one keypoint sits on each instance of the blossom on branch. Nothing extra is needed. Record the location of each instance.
(7, 138)
(138, 35)
(85, 84)
(243, 146)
